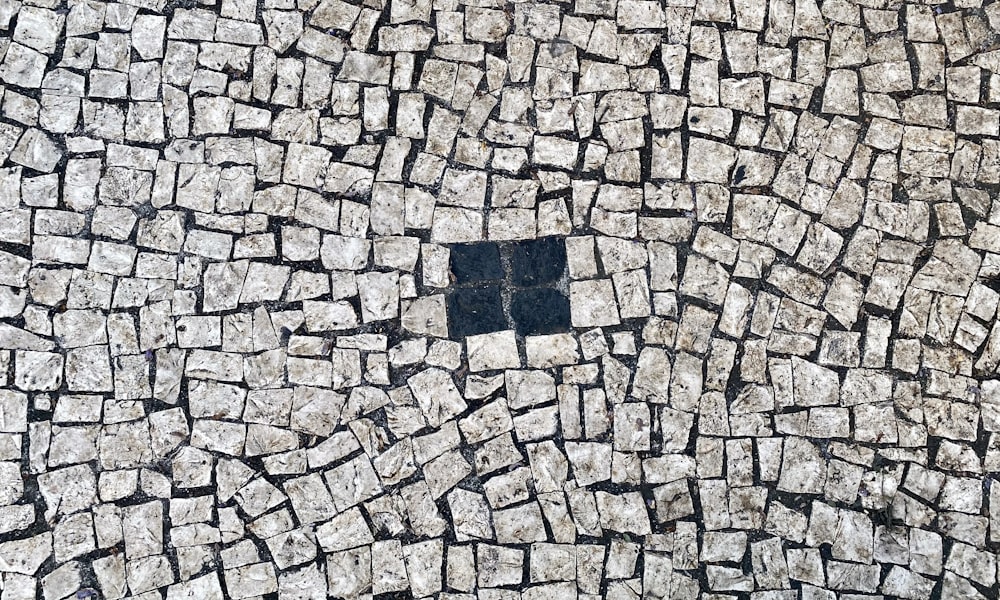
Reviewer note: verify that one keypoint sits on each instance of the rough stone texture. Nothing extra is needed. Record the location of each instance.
(499, 300)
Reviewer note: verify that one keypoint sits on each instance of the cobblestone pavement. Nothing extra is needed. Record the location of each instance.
(482, 300)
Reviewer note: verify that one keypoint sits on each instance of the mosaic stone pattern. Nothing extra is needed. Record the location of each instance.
(492, 300)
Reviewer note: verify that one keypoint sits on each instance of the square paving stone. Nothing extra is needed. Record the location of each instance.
(472, 311)
(539, 311)
(475, 262)
(540, 261)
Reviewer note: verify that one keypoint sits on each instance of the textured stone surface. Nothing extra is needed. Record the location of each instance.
(587, 299)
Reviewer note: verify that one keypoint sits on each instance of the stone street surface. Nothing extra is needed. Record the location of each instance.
(494, 300)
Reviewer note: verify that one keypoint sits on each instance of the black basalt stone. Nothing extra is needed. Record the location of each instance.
(475, 262)
(472, 311)
(540, 261)
(540, 311)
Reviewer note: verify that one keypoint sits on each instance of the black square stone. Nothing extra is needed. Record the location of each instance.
(539, 311)
(535, 262)
(472, 311)
(475, 262)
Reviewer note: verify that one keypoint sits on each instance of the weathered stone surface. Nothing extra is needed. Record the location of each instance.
(294, 289)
